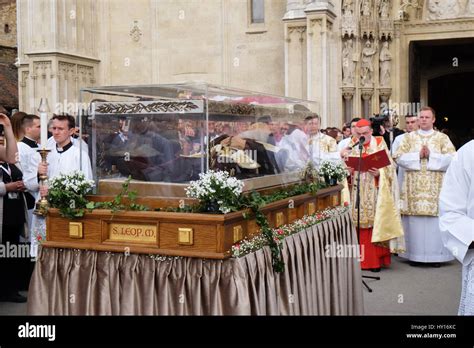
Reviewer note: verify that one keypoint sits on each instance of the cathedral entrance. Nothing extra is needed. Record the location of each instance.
(452, 97)
(441, 75)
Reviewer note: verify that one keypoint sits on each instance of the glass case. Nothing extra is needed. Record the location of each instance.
(163, 136)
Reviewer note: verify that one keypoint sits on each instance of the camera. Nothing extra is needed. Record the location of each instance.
(377, 121)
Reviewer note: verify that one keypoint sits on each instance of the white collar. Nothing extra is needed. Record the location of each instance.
(423, 132)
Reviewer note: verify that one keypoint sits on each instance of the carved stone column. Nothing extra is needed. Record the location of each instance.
(54, 33)
(348, 95)
(367, 94)
(397, 93)
(384, 95)
(296, 59)
(320, 18)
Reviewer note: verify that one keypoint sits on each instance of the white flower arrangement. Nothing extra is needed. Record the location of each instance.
(333, 170)
(67, 193)
(74, 182)
(216, 191)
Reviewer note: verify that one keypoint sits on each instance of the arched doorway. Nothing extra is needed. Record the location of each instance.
(452, 96)
(441, 76)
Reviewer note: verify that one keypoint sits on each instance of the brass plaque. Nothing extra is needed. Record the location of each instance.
(75, 230)
(135, 233)
(238, 233)
(280, 219)
(311, 208)
(185, 236)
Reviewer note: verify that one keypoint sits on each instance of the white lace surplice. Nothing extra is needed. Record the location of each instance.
(457, 219)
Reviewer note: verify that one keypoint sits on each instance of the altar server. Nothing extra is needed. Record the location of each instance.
(425, 156)
(29, 159)
(321, 147)
(64, 158)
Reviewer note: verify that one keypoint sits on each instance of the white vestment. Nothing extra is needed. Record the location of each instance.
(69, 161)
(343, 144)
(60, 163)
(456, 220)
(400, 169)
(322, 147)
(75, 141)
(422, 234)
(29, 159)
(295, 145)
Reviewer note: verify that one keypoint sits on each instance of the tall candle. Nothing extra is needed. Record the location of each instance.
(43, 111)
(44, 129)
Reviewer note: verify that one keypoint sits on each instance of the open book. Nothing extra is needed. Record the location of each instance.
(376, 160)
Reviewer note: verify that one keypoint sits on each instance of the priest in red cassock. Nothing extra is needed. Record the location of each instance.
(381, 229)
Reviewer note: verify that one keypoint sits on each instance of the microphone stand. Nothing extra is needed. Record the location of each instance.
(361, 146)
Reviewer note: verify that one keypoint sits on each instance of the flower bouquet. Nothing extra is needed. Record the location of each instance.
(67, 192)
(216, 191)
(333, 172)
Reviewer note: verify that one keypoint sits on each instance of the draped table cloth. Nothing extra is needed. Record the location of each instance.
(315, 281)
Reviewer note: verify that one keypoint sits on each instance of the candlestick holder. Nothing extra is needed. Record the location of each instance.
(42, 206)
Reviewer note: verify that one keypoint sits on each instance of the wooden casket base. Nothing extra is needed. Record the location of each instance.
(208, 236)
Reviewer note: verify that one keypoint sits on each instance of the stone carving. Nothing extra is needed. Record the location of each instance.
(86, 73)
(367, 64)
(470, 8)
(348, 64)
(24, 78)
(348, 8)
(384, 9)
(42, 68)
(385, 65)
(443, 9)
(409, 8)
(349, 23)
(367, 22)
(365, 8)
(385, 21)
(67, 70)
(135, 32)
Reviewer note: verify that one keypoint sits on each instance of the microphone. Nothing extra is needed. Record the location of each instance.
(359, 143)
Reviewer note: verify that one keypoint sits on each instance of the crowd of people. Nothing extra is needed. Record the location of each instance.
(398, 208)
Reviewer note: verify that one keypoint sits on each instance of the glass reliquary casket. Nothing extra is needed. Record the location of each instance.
(163, 137)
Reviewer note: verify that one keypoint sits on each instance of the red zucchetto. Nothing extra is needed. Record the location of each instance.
(363, 123)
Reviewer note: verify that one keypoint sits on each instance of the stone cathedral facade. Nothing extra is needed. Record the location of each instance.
(350, 56)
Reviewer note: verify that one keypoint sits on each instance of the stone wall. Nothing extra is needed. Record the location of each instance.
(211, 40)
(7, 55)
(298, 51)
(8, 23)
